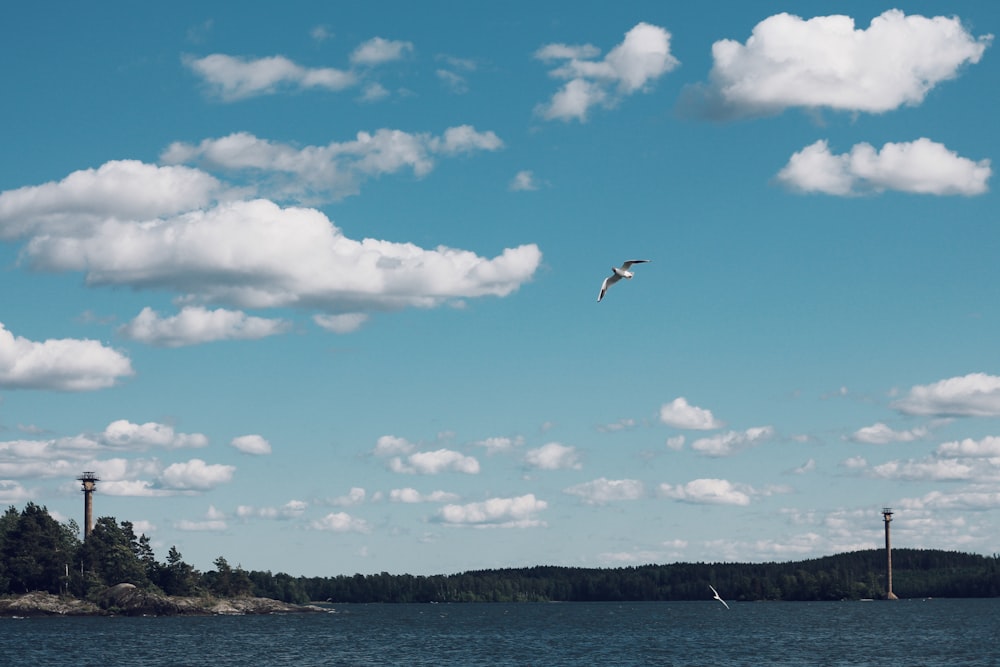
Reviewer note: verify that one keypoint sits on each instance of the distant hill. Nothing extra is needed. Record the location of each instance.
(849, 576)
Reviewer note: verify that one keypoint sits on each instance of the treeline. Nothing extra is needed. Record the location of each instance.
(37, 553)
(850, 576)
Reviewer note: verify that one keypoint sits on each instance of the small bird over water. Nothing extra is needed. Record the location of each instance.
(617, 274)
(716, 596)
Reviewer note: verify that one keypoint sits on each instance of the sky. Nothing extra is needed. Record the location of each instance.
(313, 286)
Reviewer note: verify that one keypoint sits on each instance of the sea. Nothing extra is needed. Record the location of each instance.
(878, 633)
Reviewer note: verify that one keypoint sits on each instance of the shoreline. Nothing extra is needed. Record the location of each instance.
(127, 600)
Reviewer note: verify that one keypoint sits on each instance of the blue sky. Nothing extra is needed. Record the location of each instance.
(312, 286)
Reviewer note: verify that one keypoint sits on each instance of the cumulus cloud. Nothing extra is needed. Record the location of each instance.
(523, 181)
(432, 463)
(642, 57)
(603, 490)
(13, 493)
(341, 324)
(410, 495)
(731, 442)
(391, 445)
(120, 189)
(251, 444)
(707, 491)
(970, 499)
(355, 496)
(927, 469)
(341, 522)
(973, 395)
(195, 325)
(880, 434)
(293, 509)
(497, 445)
(679, 414)
(63, 364)
(553, 456)
(123, 434)
(377, 51)
(986, 447)
(826, 62)
(335, 170)
(196, 475)
(242, 254)
(232, 78)
(920, 167)
(517, 512)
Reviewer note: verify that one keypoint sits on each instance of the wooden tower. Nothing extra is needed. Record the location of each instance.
(887, 517)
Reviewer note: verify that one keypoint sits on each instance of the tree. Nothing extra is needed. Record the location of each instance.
(36, 550)
(112, 553)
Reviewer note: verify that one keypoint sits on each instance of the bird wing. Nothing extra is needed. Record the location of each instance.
(608, 282)
(713, 590)
(626, 265)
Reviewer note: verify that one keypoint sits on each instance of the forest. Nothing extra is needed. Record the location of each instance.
(37, 553)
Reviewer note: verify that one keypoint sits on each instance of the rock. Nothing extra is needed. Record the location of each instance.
(46, 604)
(128, 600)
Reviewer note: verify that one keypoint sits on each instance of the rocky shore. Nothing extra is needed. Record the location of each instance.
(127, 600)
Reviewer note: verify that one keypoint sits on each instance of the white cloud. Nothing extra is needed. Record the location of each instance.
(432, 463)
(880, 434)
(232, 78)
(706, 491)
(377, 51)
(293, 509)
(120, 189)
(928, 469)
(497, 445)
(196, 475)
(251, 444)
(195, 325)
(620, 425)
(64, 364)
(679, 414)
(335, 170)
(123, 434)
(410, 495)
(985, 448)
(676, 442)
(972, 499)
(517, 512)
(209, 525)
(603, 490)
(341, 522)
(826, 62)
(808, 466)
(341, 324)
(247, 254)
(355, 496)
(553, 456)
(855, 463)
(12, 493)
(390, 445)
(523, 181)
(973, 395)
(731, 442)
(921, 167)
(642, 57)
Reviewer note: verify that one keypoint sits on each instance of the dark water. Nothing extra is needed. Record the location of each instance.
(884, 634)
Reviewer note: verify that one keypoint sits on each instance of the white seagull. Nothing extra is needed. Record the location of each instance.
(716, 596)
(617, 274)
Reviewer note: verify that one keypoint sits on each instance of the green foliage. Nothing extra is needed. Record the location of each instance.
(37, 553)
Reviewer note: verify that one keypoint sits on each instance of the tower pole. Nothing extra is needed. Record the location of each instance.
(887, 517)
(89, 481)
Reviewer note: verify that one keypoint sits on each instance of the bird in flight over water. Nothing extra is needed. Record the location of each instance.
(716, 596)
(617, 274)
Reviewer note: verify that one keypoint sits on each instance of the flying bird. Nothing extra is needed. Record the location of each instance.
(617, 274)
(716, 596)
